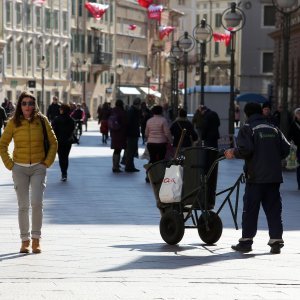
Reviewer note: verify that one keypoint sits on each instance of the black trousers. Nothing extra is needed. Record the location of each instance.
(63, 152)
(131, 150)
(157, 152)
(268, 195)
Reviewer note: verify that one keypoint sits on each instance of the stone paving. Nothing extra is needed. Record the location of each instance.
(101, 241)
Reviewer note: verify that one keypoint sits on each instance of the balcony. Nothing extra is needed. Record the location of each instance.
(102, 58)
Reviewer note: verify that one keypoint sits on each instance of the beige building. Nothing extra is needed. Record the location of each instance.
(36, 32)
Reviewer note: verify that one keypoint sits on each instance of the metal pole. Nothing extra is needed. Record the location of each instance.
(284, 126)
(231, 103)
(202, 64)
(43, 86)
(185, 80)
(83, 98)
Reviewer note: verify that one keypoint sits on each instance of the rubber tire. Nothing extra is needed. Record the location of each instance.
(171, 227)
(215, 225)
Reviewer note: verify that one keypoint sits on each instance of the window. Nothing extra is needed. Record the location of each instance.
(19, 14)
(8, 12)
(269, 15)
(8, 53)
(198, 20)
(29, 55)
(28, 16)
(181, 2)
(89, 44)
(80, 5)
(38, 53)
(228, 50)
(19, 55)
(56, 62)
(73, 8)
(218, 20)
(38, 17)
(217, 49)
(56, 20)
(48, 19)
(65, 58)
(65, 21)
(267, 62)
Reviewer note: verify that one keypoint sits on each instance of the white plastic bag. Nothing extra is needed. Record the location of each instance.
(170, 190)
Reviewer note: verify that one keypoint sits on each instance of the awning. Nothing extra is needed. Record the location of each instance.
(251, 97)
(150, 91)
(129, 90)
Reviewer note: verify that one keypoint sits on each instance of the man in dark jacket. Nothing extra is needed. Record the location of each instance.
(262, 146)
(53, 109)
(133, 134)
(210, 127)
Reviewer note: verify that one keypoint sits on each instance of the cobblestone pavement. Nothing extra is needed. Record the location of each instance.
(101, 241)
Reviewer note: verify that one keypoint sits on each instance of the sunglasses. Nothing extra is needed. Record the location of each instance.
(30, 103)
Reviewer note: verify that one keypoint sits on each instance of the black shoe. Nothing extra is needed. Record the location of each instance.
(275, 247)
(147, 180)
(64, 178)
(242, 248)
(116, 171)
(132, 170)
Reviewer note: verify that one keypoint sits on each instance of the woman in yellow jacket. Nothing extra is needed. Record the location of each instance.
(28, 164)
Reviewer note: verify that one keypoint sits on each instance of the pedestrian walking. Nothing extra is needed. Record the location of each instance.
(87, 115)
(28, 164)
(198, 123)
(53, 109)
(3, 118)
(145, 116)
(118, 136)
(158, 135)
(262, 145)
(178, 125)
(103, 116)
(78, 115)
(64, 127)
(294, 135)
(210, 127)
(133, 134)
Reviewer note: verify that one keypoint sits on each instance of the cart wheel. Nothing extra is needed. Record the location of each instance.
(171, 227)
(213, 233)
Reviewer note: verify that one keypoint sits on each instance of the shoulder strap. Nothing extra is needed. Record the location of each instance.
(43, 126)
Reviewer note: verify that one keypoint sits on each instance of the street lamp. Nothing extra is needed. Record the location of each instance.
(43, 65)
(148, 75)
(286, 8)
(119, 71)
(233, 20)
(84, 70)
(202, 33)
(186, 43)
(174, 59)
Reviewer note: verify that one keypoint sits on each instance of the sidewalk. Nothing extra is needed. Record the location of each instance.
(101, 241)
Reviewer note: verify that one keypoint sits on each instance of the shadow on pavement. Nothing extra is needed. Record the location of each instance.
(14, 255)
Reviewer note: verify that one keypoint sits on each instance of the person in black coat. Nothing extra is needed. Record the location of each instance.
(63, 126)
(263, 146)
(118, 137)
(133, 134)
(210, 127)
(53, 109)
(178, 125)
(294, 135)
(3, 118)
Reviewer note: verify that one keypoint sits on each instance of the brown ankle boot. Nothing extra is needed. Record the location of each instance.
(25, 247)
(36, 248)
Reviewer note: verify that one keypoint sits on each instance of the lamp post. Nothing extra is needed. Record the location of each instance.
(233, 20)
(84, 70)
(43, 65)
(202, 33)
(186, 43)
(119, 71)
(286, 8)
(148, 75)
(174, 59)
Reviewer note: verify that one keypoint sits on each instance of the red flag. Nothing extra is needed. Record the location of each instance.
(165, 31)
(39, 1)
(154, 11)
(132, 27)
(97, 10)
(222, 37)
(145, 3)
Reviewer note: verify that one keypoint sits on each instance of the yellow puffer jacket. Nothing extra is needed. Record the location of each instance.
(28, 143)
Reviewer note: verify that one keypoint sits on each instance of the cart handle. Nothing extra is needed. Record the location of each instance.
(214, 165)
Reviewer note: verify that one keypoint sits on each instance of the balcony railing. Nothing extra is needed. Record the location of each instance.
(102, 58)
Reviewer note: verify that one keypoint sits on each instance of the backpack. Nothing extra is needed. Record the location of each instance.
(113, 123)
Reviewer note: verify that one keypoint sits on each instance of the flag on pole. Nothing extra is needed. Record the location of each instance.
(154, 11)
(145, 3)
(222, 37)
(97, 10)
(132, 27)
(165, 31)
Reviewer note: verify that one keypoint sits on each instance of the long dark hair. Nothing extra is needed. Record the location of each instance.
(18, 112)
